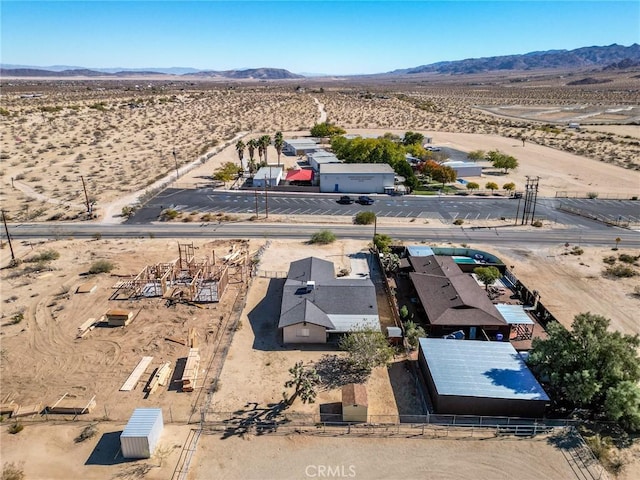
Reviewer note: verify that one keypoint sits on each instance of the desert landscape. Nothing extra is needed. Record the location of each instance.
(124, 137)
(121, 137)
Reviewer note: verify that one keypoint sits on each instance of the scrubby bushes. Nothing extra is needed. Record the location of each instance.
(101, 266)
(364, 218)
(323, 237)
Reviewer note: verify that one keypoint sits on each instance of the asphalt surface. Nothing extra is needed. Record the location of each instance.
(443, 209)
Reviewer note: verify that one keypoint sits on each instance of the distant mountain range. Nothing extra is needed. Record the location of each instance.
(58, 71)
(612, 57)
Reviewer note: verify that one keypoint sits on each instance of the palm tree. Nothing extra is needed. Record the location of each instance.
(252, 145)
(278, 143)
(240, 146)
(264, 142)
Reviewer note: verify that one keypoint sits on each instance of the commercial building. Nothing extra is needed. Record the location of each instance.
(321, 157)
(464, 169)
(267, 177)
(479, 378)
(357, 178)
(316, 304)
(299, 146)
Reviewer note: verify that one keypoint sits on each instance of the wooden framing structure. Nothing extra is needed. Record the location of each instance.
(184, 279)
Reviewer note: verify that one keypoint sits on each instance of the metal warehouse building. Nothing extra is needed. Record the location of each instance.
(466, 377)
(464, 169)
(356, 178)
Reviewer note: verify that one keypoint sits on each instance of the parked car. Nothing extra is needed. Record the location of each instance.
(364, 200)
(345, 200)
(517, 195)
(432, 148)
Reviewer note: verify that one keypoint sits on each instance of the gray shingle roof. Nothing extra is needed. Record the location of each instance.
(331, 296)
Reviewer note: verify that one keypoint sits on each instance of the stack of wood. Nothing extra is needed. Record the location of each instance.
(190, 373)
(71, 405)
(8, 408)
(159, 378)
(27, 410)
(132, 381)
(86, 327)
(117, 317)
(192, 339)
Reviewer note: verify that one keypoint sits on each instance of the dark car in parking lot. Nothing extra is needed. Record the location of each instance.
(364, 200)
(345, 200)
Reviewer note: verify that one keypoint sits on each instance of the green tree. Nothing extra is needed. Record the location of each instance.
(278, 143)
(591, 367)
(473, 186)
(367, 349)
(252, 145)
(501, 160)
(226, 172)
(493, 186)
(390, 262)
(476, 155)
(263, 142)
(487, 275)
(444, 175)
(240, 146)
(326, 129)
(382, 242)
(364, 218)
(304, 381)
(323, 237)
(413, 138)
(509, 187)
(413, 333)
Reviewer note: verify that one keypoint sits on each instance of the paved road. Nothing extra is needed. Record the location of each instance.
(442, 209)
(411, 233)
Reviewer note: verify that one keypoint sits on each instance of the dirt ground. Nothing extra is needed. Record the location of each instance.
(378, 458)
(41, 357)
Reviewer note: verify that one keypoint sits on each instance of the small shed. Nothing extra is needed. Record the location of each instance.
(117, 317)
(355, 406)
(141, 435)
(394, 335)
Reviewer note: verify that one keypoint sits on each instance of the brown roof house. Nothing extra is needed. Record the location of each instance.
(316, 304)
(453, 301)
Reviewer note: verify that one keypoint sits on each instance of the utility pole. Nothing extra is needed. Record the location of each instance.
(86, 196)
(175, 159)
(266, 201)
(255, 191)
(6, 229)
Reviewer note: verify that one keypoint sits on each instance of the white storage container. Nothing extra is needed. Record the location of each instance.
(141, 435)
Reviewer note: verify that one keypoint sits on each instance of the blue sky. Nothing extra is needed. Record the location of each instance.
(333, 37)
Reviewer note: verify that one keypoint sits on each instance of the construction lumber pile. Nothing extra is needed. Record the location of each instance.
(117, 317)
(86, 327)
(27, 410)
(71, 405)
(190, 373)
(193, 340)
(159, 378)
(131, 382)
(87, 287)
(8, 408)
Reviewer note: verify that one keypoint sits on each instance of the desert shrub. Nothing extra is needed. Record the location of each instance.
(382, 242)
(610, 260)
(620, 271)
(16, 318)
(127, 211)
(626, 258)
(323, 237)
(11, 471)
(170, 214)
(101, 266)
(4, 112)
(364, 218)
(592, 195)
(576, 251)
(87, 432)
(97, 236)
(16, 428)
(45, 256)
(458, 221)
(537, 223)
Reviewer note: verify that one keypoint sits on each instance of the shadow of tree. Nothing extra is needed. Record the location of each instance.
(258, 420)
(337, 371)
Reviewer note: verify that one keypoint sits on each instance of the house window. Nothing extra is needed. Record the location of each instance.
(303, 332)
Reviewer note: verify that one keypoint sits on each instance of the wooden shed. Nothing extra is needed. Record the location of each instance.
(355, 406)
(117, 317)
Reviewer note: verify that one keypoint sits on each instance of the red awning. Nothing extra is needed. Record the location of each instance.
(302, 175)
